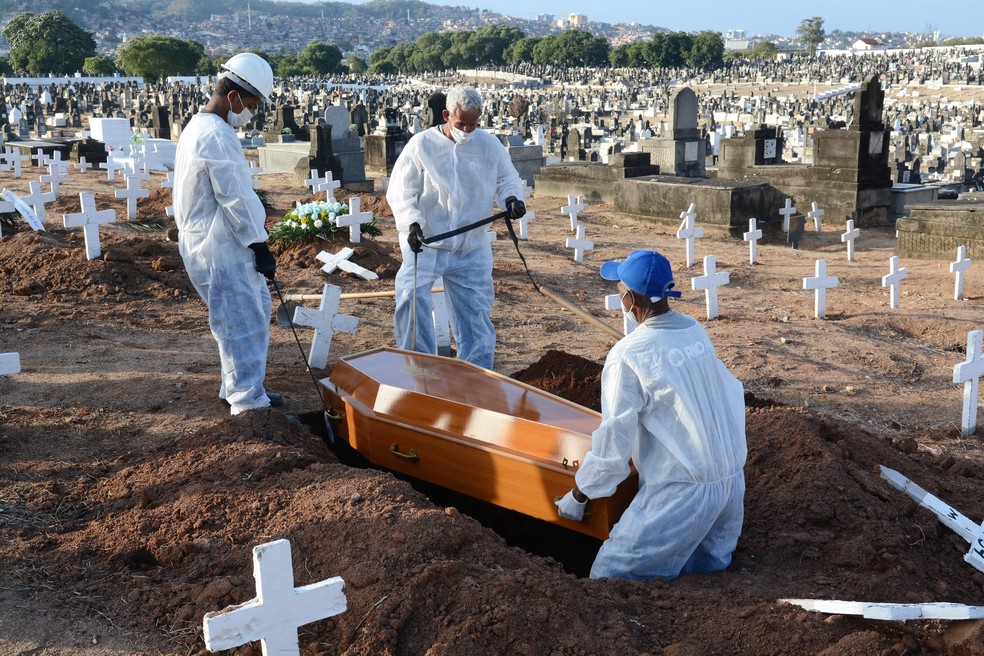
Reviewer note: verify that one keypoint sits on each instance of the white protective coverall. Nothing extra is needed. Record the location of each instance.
(672, 406)
(443, 185)
(218, 216)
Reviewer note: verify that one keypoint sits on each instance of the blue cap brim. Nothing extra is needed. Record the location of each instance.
(609, 270)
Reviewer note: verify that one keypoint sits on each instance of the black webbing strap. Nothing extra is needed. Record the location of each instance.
(463, 229)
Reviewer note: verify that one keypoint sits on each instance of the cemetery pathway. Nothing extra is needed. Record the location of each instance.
(130, 499)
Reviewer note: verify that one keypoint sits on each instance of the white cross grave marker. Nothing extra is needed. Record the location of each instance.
(325, 321)
(9, 363)
(709, 282)
(894, 280)
(579, 244)
(340, 261)
(40, 158)
(169, 184)
(328, 185)
(821, 283)
(752, 236)
(816, 214)
(572, 208)
(689, 232)
(133, 191)
(882, 611)
(14, 159)
(254, 171)
(83, 165)
(89, 220)
(527, 190)
(629, 323)
(111, 166)
(787, 211)
(957, 269)
(278, 609)
(5, 206)
(491, 235)
(37, 200)
(948, 516)
(969, 373)
(849, 237)
(354, 219)
(56, 175)
(22, 208)
(314, 181)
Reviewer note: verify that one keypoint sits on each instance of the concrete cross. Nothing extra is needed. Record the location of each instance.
(340, 261)
(527, 190)
(325, 321)
(83, 165)
(969, 373)
(314, 181)
(709, 282)
(89, 220)
(752, 236)
(787, 211)
(849, 237)
(40, 159)
(354, 219)
(254, 171)
(328, 185)
(133, 191)
(111, 166)
(821, 283)
(37, 200)
(15, 160)
(491, 235)
(894, 280)
(168, 182)
(629, 323)
(12, 201)
(442, 319)
(9, 363)
(56, 175)
(816, 214)
(524, 222)
(572, 208)
(579, 244)
(689, 232)
(957, 269)
(278, 609)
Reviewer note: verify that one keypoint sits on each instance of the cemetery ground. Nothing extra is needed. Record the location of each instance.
(130, 500)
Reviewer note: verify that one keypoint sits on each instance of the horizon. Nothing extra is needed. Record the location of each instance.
(720, 16)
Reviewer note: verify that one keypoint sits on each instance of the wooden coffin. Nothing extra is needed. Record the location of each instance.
(471, 430)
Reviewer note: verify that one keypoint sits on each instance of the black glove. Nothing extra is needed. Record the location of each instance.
(416, 238)
(515, 208)
(263, 260)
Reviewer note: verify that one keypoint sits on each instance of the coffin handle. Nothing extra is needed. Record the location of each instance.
(412, 456)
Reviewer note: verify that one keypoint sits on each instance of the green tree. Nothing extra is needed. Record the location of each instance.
(99, 65)
(356, 65)
(521, 51)
(764, 50)
(811, 34)
(319, 58)
(706, 51)
(47, 43)
(155, 57)
(571, 48)
(5, 67)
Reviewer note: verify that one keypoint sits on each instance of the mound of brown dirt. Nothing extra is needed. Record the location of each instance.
(570, 376)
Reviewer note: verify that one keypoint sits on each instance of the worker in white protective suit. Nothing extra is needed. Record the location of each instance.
(670, 406)
(448, 177)
(221, 235)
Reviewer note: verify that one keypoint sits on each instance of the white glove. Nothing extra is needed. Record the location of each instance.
(570, 508)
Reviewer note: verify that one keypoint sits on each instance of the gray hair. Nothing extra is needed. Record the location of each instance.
(467, 99)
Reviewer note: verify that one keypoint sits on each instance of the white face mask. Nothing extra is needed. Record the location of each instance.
(238, 119)
(460, 136)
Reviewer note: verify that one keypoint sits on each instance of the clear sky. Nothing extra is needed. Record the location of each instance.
(782, 18)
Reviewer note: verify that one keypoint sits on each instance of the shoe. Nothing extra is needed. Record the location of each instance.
(276, 400)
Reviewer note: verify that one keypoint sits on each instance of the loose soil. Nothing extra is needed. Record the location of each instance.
(130, 500)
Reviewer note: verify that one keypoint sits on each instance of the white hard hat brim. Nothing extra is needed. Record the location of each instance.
(249, 88)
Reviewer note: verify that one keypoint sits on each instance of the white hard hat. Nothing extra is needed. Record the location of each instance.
(251, 72)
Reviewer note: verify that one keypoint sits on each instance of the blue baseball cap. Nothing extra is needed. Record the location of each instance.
(644, 272)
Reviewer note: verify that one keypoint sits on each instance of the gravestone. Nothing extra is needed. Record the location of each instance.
(385, 145)
(160, 123)
(437, 102)
(681, 150)
(346, 147)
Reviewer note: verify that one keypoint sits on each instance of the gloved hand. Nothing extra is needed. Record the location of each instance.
(570, 508)
(263, 260)
(416, 238)
(516, 208)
